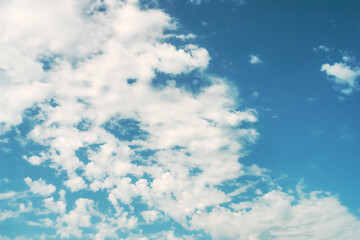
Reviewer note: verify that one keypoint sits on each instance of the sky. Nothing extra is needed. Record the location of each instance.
(168, 119)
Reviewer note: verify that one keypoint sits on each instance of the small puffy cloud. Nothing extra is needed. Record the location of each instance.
(347, 58)
(55, 207)
(255, 59)
(182, 37)
(34, 160)
(343, 76)
(69, 224)
(40, 187)
(75, 183)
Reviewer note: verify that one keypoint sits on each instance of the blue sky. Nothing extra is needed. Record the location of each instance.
(179, 119)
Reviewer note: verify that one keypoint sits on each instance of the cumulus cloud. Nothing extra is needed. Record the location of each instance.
(115, 122)
(40, 187)
(150, 216)
(75, 183)
(275, 215)
(255, 59)
(344, 77)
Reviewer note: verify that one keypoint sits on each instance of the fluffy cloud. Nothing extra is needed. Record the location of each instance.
(115, 121)
(80, 217)
(344, 77)
(40, 187)
(150, 216)
(276, 215)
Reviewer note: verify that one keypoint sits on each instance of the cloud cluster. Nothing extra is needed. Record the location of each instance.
(274, 215)
(116, 122)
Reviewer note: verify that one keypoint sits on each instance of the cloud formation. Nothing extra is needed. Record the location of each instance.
(40, 187)
(255, 59)
(344, 76)
(117, 125)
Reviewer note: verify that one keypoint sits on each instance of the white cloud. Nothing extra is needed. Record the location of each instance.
(22, 208)
(69, 224)
(150, 216)
(344, 77)
(275, 215)
(35, 160)
(75, 183)
(40, 187)
(239, 2)
(8, 214)
(321, 48)
(7, 195)
(55, 207)
(255, 59)
(45, 222)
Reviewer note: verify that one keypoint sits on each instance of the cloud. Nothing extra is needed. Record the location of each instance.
(69, 224)
(141, 151)
(275, 215)
(7, 195)
(344, 77)
(40, 187)
(321, 48)
(198, 2)
(58, 206)
(150, 216)
(254, 95)
(22, 208)
(254, 59)
(35, 160)
(310, 99)
(75, 183)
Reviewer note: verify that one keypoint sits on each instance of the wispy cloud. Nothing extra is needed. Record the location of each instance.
(198, 2)
(322, 48)
(7, 195)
